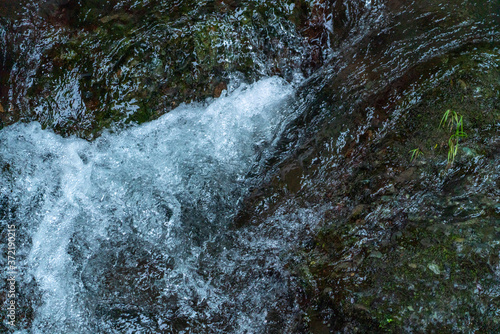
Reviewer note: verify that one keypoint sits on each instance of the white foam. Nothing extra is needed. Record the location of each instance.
(77, 197)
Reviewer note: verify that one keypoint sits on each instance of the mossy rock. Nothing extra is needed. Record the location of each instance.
(131, 62)
(413, 245)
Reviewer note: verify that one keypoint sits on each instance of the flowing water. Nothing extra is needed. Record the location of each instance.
(132, 231)
(263, 205)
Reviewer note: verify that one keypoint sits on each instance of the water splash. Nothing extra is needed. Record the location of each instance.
(126, 222)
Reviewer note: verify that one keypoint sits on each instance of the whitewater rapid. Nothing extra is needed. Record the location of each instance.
(127, 233)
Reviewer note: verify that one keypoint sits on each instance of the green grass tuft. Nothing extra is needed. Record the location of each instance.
(415, 153)
(455, 122)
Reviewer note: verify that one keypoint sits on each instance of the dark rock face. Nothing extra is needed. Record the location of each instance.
(406, 243)
(129, 62)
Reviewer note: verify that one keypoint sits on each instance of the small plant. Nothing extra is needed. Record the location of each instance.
(415, 153)
(455, 122)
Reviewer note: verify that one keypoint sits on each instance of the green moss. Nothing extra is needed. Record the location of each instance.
(419, 254)
(138, 54)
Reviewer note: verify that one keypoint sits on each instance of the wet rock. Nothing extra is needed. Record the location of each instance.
(398, 67)
(358, 210)
(376, 254)
(412, 213)
(125, 54)
(127, 46)
(434, 268)
(219, 89)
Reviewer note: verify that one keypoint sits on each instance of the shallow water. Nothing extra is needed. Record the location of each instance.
(287, 205)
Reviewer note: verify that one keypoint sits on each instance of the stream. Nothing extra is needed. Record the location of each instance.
(251, 167)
